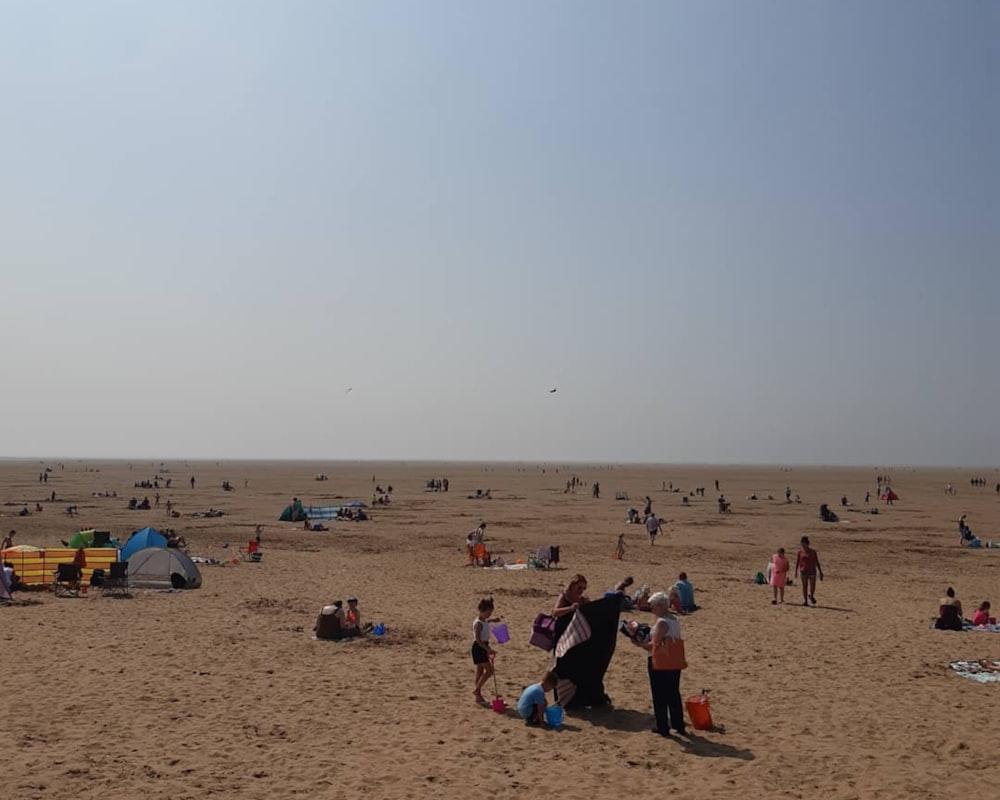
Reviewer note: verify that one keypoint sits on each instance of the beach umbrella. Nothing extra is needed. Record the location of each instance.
(357, 504)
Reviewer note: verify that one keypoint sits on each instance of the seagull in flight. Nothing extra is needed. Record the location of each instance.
(348, 390)
(553, 391)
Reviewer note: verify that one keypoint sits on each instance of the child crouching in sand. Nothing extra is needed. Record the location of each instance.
(482, 653)
(531, 707)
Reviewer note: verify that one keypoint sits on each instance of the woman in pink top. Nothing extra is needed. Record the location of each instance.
(982, 615)
(779, 575)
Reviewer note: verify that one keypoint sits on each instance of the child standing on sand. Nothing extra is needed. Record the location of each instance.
(482, 653)
(779, 575)
(620, 547)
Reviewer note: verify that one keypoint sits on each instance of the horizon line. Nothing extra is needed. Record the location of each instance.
(463, 461)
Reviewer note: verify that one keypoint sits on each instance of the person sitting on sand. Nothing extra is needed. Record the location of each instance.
(572, 597)
(176, 541)
(949, 612)
(353, 626)
(331, 622)
(982, 615)
(532, 704)
(640, 600)
(685, 590)
(8, 541)
(674, 600)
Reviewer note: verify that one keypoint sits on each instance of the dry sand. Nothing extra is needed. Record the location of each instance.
(221, 691)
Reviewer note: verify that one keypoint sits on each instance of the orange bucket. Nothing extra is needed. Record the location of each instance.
(699, 712)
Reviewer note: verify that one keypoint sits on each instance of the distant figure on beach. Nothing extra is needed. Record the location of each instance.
(778, 576)
(620, 547)
(867, 497)
(716, 486)
(788, 494)
(807, 563)
(192, 481)
(8, 541)
(649, 507)
(949, 612)
(596, 490)
(982, 615)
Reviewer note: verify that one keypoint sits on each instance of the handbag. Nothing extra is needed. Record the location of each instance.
(669, 654)
(543, 632)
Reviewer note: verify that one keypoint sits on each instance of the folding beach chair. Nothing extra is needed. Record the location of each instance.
(116, 581)
(67, 583)
(252, 553)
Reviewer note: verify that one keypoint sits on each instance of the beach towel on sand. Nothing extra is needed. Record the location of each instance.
(585, 644)
(982, 671)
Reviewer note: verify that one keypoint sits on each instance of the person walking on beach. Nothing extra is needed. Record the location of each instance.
(192, 481)
(620, 547)
(8, 541)
(652, 528)
(779, 575)
(807, 563)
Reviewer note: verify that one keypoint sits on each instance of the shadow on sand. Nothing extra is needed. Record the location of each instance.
(629, 719)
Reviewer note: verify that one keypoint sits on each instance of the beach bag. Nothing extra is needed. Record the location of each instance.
(543, 632)
(669, 654)
(759, 579)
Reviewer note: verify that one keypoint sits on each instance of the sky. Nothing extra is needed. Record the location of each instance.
(725, 232)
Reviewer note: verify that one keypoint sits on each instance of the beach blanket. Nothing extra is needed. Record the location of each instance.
(968, 626)
(981, 671)
(584, 647)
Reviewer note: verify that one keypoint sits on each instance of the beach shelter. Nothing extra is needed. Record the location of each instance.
(293, 512)
(81, 539)
(357, 504)
(585, 644)
(147, 537)
(162, 568)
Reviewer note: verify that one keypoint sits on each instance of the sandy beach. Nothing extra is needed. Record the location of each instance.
(222, 691)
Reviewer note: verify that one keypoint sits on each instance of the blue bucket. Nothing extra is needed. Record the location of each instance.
(554, 716)
(379, 630)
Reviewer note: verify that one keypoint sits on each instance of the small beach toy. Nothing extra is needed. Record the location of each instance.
(700, 713)
(502, 633)
(83, 591)
(379, 630)
(499, 705)
(554, 716)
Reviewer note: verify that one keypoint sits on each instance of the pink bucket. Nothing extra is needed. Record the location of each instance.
(498, 705)
(501, 633)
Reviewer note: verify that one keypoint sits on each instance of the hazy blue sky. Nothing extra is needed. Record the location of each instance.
(726, 231)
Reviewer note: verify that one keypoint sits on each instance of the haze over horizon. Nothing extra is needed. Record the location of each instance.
(727, 233)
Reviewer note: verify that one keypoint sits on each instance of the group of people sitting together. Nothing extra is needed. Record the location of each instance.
(333, 622)
(951, 618)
